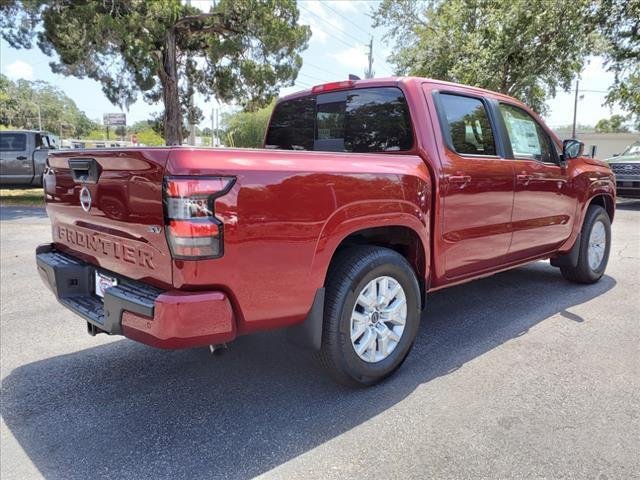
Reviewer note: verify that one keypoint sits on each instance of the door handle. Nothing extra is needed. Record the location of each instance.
(21, 157)
(463, 179)
(524, 179)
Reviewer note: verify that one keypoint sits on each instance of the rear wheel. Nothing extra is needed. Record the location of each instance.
(595, 243)
(372, 313)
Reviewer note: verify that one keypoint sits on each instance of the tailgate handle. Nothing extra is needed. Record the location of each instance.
(85, 170)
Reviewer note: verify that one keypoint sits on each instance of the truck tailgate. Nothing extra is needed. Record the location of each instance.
(106, 208)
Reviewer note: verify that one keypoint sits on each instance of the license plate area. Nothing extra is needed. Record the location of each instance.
(102, 282)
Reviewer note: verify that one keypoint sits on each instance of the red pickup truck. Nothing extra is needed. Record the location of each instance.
(367, 196)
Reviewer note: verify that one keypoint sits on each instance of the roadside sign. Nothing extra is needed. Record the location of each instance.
(114, 119)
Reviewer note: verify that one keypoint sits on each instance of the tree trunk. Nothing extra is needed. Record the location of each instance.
(170, 94)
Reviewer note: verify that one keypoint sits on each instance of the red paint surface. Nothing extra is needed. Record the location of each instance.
(183, 319)
(288, 211)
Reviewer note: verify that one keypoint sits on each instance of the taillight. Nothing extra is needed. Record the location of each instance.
(193, 231)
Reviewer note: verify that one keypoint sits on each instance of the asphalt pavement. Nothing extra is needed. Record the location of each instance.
(519, 375)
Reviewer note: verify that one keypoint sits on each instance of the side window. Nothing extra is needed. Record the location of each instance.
(467, 125)
(528, 139)
(13, 142)
(378, 120)
(292, 125)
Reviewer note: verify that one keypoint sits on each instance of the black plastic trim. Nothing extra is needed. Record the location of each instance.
(308, 334)
(569, 259)
(72, 281)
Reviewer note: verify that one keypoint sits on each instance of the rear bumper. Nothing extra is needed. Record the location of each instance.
(164, 319)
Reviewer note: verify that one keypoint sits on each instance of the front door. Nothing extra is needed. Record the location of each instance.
(544, 206)
(477, 188)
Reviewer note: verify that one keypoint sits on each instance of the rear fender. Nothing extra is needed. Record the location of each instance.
(364, 215)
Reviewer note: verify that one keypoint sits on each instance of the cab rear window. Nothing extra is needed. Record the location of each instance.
(361, 120)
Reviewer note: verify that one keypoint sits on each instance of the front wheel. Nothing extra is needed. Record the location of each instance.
(595, 243)
(372, 313)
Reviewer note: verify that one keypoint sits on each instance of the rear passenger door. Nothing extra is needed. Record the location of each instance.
(477, 186)
(544, 204)
(16, 165)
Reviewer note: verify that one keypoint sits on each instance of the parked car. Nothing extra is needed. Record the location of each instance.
(369, 195)
(23, 156)
(626, 168)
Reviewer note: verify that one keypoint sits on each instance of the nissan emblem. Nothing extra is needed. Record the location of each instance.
(85, 199)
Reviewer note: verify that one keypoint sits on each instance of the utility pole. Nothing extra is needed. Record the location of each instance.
(216, 128)
(575, 111)
(39, 118)
(368, 73)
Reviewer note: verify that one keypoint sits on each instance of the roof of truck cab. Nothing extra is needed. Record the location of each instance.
(397, 81)
(23, 131)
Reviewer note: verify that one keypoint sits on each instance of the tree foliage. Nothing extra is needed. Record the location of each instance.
(524, 48)
(241, 50)
(246, 129)
(149, 137)
(620, 28)
(614, 124)
(23, 104)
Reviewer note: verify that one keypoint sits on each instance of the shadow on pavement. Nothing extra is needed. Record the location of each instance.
(17, 213)
(124, 410)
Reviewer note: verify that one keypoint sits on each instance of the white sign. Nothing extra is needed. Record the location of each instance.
(114, 119)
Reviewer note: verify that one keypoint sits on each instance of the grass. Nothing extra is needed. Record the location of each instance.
(22, 197)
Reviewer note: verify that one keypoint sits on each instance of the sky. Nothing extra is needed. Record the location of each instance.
(340, 31)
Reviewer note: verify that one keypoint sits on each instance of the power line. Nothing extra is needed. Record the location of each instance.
(346, 18)
(358, 27)
(312, 77)
(338, 29)
(588, 91)
(307, 64)
(331, 24)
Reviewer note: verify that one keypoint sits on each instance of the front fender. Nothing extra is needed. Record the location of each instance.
(593, 184)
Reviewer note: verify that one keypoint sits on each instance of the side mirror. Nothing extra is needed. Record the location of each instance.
(572, 149)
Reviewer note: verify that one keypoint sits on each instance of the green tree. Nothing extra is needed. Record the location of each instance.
(615, 124)
(620, 28)
(241, 50)
(96, 134)
(149, 137)
(25, 104)
(247, 129)
(524, 48)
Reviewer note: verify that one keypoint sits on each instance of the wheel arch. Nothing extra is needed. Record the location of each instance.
(605, 201)
(402, 239)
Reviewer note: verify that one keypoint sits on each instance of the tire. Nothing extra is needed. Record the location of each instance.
(354, 272)
(596, 226)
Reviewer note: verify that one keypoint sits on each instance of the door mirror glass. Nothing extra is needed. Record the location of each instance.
(572, 149)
